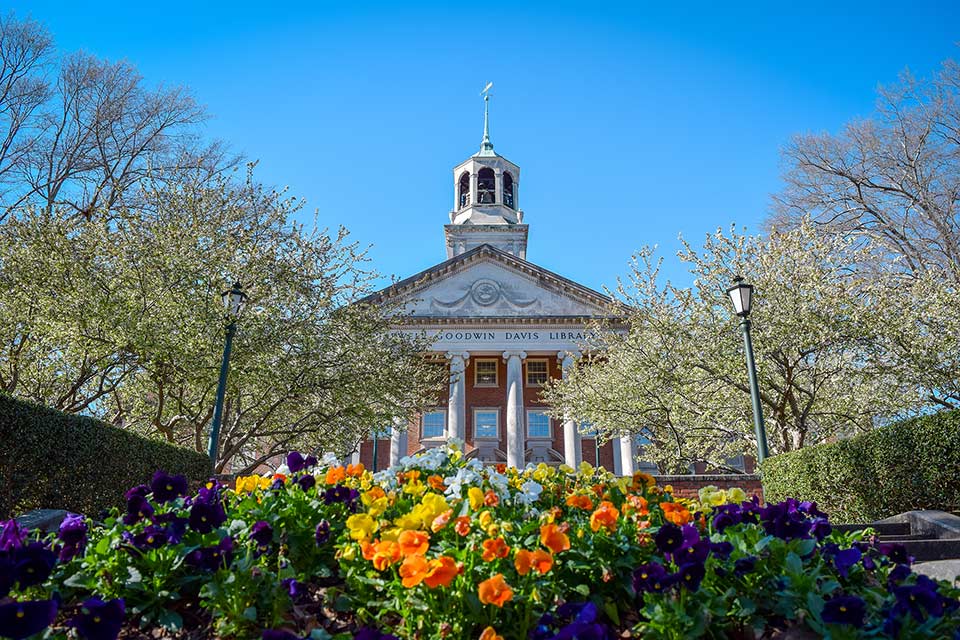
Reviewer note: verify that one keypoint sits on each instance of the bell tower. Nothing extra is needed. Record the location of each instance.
(485, 210)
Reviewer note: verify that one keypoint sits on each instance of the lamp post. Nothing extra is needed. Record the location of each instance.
(741, 294)
(234, 301)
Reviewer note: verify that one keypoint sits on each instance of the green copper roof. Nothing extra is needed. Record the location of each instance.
(486, 147)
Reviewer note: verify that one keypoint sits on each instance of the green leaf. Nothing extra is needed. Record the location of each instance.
(794, 564)
(102, 546)
(170, 620)
(804, 547)
(582, 589)
(250, 613)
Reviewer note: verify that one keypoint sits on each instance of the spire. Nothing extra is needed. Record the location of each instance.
(486, 147)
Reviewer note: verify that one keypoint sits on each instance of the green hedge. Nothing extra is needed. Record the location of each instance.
(50, 459)
(914, 464)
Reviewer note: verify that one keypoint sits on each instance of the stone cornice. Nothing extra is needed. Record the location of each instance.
(539, 275)
(469, 321)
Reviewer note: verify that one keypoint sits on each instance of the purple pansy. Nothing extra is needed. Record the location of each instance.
(844, 610)
(206, 516)
(99, 620)
(32, 564)
(651, 578)
(166, 487)
(24, 619)
(669, 537)
(322, 534)
(12, 535)
(212, 558)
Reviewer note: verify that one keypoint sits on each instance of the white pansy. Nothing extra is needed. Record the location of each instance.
(529, 492)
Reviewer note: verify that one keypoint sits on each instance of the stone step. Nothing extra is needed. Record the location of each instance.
(926, 550)
(882, 528)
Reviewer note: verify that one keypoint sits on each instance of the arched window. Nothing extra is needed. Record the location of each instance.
(486, 186)
(508, 194)
(463, 190)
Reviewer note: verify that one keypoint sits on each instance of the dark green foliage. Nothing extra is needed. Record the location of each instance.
(914, 464)
(56, 460)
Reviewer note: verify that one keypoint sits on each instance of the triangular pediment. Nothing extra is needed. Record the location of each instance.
(487, 283)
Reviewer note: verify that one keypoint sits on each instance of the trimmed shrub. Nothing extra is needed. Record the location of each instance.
(51, 459)
(914, 464)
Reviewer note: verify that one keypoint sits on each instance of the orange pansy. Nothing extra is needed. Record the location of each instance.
(676, 513)
(495, 591)
(335, 475)
(354, 470)
(441, 520)
(540, 560)
(553, 538)
(490, 634)
(581, 502)
(385, 553)
(368, 549)
(605, 516)
(462, 525)
(413, 543)
(413, 570)
(436, 483)
(441, 573)
(636, 504)
(490, 498)
(494, 548)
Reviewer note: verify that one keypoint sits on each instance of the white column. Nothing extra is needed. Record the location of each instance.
(457, 401)
(572, 446)
(617, 467)
(498, 185)
(398, 441)
(628, 454)
(516, 441)
(473, 187)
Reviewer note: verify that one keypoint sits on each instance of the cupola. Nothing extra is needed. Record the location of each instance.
(486, 196)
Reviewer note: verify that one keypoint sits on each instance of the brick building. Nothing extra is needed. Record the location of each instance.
(504, 325)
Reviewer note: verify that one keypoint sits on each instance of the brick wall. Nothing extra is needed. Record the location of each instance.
(687, 486)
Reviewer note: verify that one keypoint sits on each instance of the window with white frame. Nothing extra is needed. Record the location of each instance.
(536, 372)
(485, 372)
(433, 424)
(538, 424)
(485, 423)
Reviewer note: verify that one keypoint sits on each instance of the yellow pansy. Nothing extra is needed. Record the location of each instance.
(392, 533)
(475, 495)
(542, 472)
(378, 506)
(565, 468)
(414, 488)
(412, 520)
(349, 552)
(485, 519)
(435, 504)
(361, 526)
(736, 495)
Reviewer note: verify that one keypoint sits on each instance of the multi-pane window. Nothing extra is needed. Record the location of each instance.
(536, 372)
(434, 424)
(485, 372)
(485, 423)
(538, 424)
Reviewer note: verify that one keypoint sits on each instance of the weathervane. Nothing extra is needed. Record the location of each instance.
(485, 144)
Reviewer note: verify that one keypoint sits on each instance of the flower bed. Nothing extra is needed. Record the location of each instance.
(442, 547)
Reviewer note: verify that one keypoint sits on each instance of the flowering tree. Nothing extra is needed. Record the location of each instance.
(123, 320)
(891, 183)
(678, 376)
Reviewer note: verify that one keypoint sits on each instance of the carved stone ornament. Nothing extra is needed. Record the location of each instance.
(485, 292)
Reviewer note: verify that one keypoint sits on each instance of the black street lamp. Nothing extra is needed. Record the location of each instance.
(234, 301)
(741, 295)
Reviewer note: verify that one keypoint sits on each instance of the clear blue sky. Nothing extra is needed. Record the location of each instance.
(631, 124)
